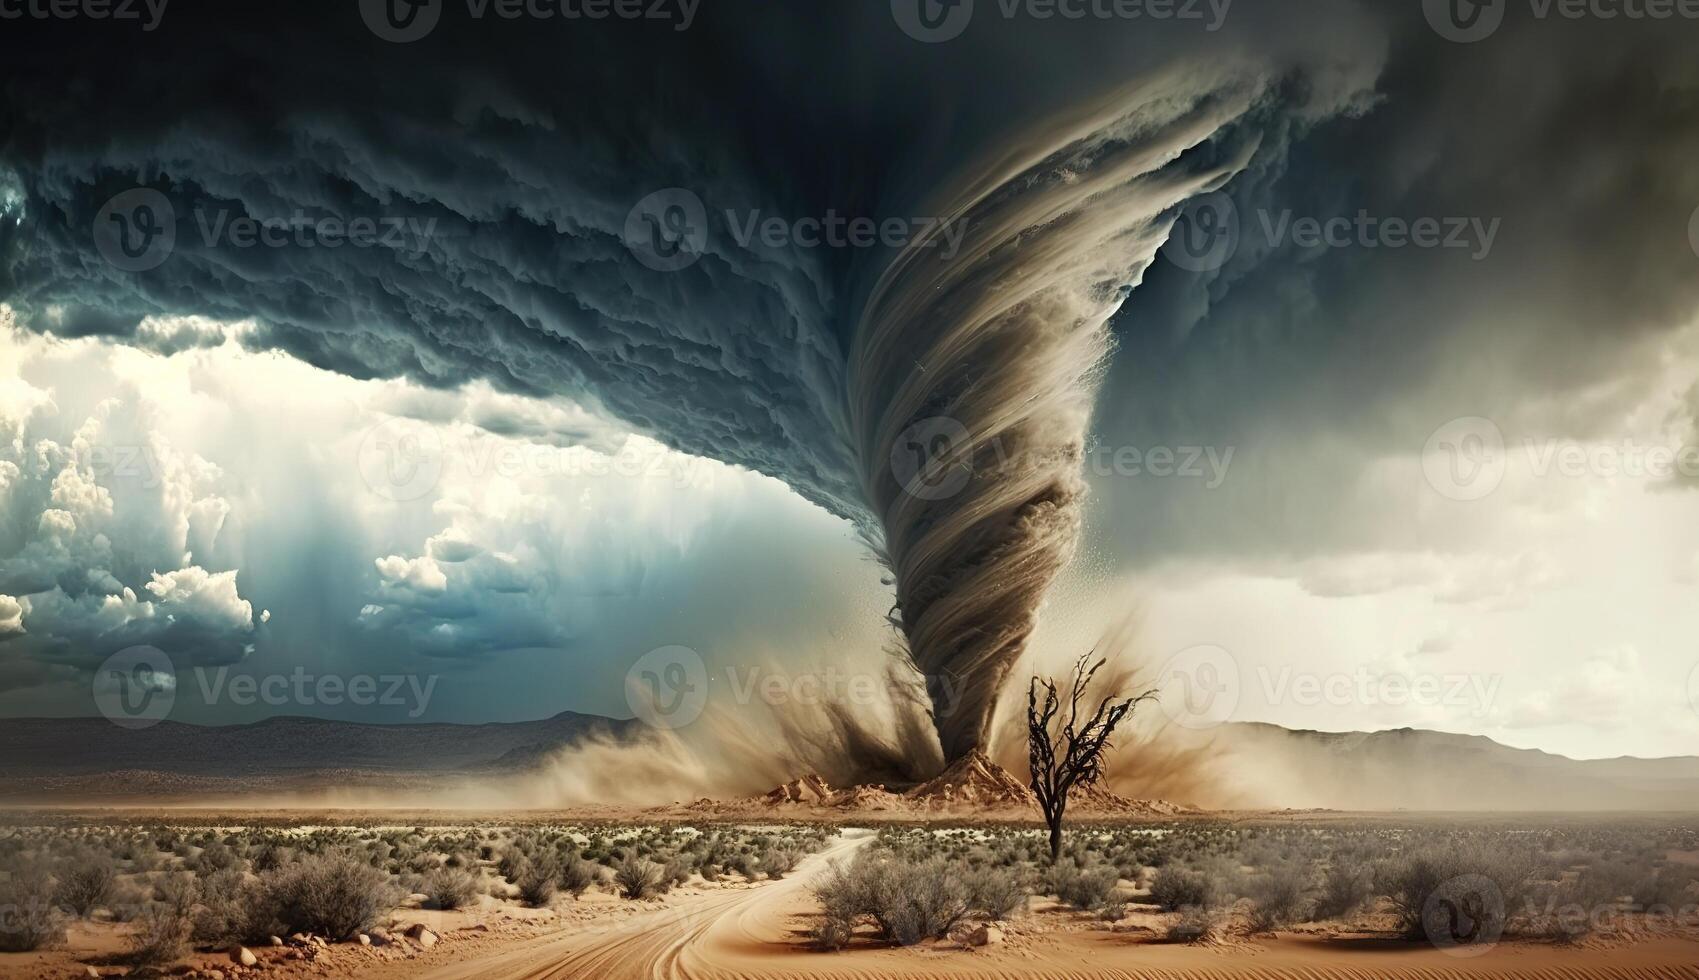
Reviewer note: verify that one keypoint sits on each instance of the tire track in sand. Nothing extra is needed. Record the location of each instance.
(678, 942)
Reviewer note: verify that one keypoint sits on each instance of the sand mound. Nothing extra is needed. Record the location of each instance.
(808, 789)
(971, 784)
(974, 781)
(1096, 799)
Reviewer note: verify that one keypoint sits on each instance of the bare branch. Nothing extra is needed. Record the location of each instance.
(1081, 747)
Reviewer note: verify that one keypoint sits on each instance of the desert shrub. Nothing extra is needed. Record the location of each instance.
(910, 900)
(1408, 882)
(779, 861)
(995, 892)
(743, 864)
(1175, 888)
(1345, 888)
(1195, 924)
(512, 864)
(1277, 895)
(160, 937)
(1113, 911)
(537, 880)
(333, 894)
(213, 858)
(637, 878)
(577, 875)
(676, 871)
(1081, 888)
(28, 920)
(1563, 910)
(1665, 891)
(141, 856)
(228, 907)
(85, 883)
(270, 858)
(831, 934)
(450, 888)
(176, 892)
(1411, 880)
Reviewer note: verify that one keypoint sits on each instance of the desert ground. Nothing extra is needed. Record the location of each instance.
(785, 888)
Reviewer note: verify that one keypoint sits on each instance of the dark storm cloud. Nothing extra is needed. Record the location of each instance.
(507, 156)
(513, 152)
(1576, 137)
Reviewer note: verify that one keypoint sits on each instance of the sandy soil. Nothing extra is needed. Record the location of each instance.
(760, 932)
(740, 930)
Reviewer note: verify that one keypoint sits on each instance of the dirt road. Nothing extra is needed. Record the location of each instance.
(679, 942)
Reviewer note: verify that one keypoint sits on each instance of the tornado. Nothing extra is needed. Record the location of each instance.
(971, 380)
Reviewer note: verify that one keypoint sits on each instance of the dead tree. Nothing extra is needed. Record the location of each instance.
(1074, 756)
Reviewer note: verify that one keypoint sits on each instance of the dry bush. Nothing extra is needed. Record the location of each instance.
(1277, 895)
(160, 937)
(512, 864)
(270, 858)
(177, 892)
(996, 892)
(1082, 888)
(908, 900)
(1666, 891)
(537, 880)
(1175, 888)
(28, 921)
(224, 905)
(450, 888)
(743, 864)
(333, 895)
(1345, 888)
(780, 861)
(577, 875)
(1408, 881)
(1196, 924)
(677, 871)
(1411, 879)
(215, 857)
(85, 883)
(637, 878)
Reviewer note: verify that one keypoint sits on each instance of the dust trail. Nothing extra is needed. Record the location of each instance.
(971, 377)
(1150, 757)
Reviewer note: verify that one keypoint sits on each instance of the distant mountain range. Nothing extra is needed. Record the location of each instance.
(73, 760)
(1417, 769)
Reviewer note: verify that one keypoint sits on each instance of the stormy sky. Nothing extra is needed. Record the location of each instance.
(1423, 412)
